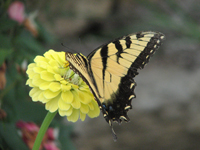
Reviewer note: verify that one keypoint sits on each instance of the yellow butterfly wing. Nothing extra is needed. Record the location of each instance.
(114, 65)
(109, 71)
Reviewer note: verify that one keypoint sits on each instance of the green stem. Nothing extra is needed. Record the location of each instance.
(45, 124)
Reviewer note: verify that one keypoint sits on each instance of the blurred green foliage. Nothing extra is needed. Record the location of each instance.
(18, 45)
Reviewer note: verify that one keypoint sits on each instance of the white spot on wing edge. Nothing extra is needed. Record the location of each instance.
(132, 96)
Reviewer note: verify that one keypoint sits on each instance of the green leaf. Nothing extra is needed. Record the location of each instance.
(6, 23)
(10, 138)
(25, 41)
(4, 53)
(31, 111)
(5, 42)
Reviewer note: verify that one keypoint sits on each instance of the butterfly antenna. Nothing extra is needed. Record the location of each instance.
(82, 43)
(68, 48)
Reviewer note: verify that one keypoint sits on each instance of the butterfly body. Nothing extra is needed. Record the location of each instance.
(110, 69)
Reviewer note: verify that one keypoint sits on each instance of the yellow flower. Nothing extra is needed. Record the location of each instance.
(59, 88)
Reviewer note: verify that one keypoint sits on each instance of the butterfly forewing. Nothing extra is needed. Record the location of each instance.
(109, 71)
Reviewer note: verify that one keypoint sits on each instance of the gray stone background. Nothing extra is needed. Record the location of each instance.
(166, 112)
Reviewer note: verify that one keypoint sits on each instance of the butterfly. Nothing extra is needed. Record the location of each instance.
(110, 69)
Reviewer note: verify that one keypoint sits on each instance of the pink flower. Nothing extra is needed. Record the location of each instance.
(16, 11)
(29, 131)
(50, 146)
(50, 134)
(29, 126)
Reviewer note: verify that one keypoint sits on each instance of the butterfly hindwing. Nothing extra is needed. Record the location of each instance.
(114, 65)
(110, 69)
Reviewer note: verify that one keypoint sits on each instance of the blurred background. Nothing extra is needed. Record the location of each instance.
(166, 112)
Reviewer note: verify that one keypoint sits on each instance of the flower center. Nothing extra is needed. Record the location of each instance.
(71, 77)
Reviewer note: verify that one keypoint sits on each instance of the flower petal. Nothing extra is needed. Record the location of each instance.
(62, 112)
(84, 108)
(54, 86)
(74, 116)
(40, 59)
(58, 77)
(38, 69)
(47, 76)
(91, 106)
(31, 66)
(85, 97)
(95, 112)
(75, 86)
(53, 63)
(35, 96)
(55, 56)
(76, 103)
(63, 82)
(82, 116)
(48, 54)
(42, 98)
(36, 81)
(66, 113)
(42, 64)
(70, 111)
(52, 105)
(53, 70)
(66, 87)
(33, 91)
(67, 96)
(76, 100)
(29, 82)
(49, 94)
(30, 71)
(44, 85)
(63, 106)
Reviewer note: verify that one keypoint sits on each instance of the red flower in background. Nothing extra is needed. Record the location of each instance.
(50, 146)
(29, 131)
(16, 11)
(50, 134)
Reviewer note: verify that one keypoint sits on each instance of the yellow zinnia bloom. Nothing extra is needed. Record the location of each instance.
(59, 88)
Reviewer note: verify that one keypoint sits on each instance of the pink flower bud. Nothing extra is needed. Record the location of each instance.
(50, 134)
(50, 146)
(16, 11)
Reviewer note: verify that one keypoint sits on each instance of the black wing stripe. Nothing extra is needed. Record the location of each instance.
(104, 54)
(128, 41)
(118, 46)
